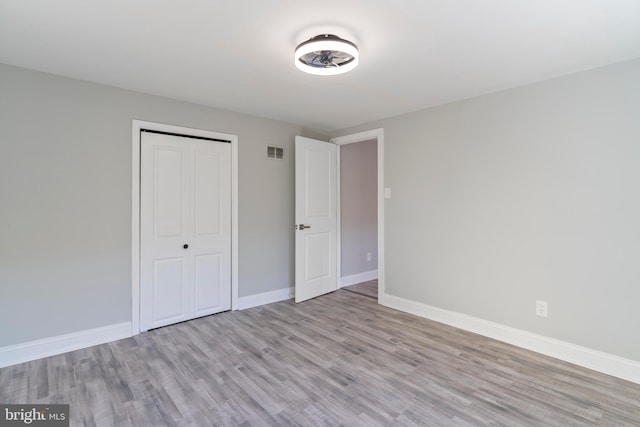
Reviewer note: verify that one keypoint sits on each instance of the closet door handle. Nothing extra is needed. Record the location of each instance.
(302, 226)
(185, 246)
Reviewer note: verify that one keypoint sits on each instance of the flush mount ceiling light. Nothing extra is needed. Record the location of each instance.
(326, 55)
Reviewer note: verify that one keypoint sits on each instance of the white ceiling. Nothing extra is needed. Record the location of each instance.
(238, 55)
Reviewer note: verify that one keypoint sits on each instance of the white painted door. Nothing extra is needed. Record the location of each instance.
(185, 229)
(316, 218)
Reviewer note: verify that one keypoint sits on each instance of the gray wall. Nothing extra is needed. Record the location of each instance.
(65, 200)
(531, 193)
(358, 207)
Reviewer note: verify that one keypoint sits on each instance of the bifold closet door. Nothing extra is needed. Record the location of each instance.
(185, 228)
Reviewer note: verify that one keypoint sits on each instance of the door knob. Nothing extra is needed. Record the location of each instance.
(185, 246)
(302, 226)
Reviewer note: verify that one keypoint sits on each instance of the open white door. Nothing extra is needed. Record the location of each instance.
(316, 218)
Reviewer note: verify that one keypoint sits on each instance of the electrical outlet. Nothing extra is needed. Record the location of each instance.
(368, 256)
(542, 308)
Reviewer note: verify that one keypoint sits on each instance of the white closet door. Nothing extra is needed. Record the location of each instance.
(185, 231)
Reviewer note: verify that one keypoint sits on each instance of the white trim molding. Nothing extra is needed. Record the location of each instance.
(358, 278)
(582, 356)
(32, 350)
(137, 126)
(265, 298)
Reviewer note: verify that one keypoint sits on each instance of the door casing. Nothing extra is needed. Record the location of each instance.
(137, 126)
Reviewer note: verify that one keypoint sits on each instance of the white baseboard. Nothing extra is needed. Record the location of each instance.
(358, 278)
(32, 350)
(265, 298)
(598, 361)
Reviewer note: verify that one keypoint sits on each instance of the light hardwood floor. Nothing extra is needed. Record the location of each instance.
(339, 359)
(369, 288)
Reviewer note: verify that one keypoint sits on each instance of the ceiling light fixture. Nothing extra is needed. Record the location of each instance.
(326, 55)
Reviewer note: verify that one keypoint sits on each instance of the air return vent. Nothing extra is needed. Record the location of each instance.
(274, 152)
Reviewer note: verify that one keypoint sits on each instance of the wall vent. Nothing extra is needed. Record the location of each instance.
(274, 152)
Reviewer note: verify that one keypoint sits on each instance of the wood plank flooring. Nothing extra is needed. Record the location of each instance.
(369, 289)
(339, 359)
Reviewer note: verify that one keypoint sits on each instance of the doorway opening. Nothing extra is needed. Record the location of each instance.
(361, 213)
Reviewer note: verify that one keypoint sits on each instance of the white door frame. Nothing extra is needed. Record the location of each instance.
(378, 136)
(137, 126)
